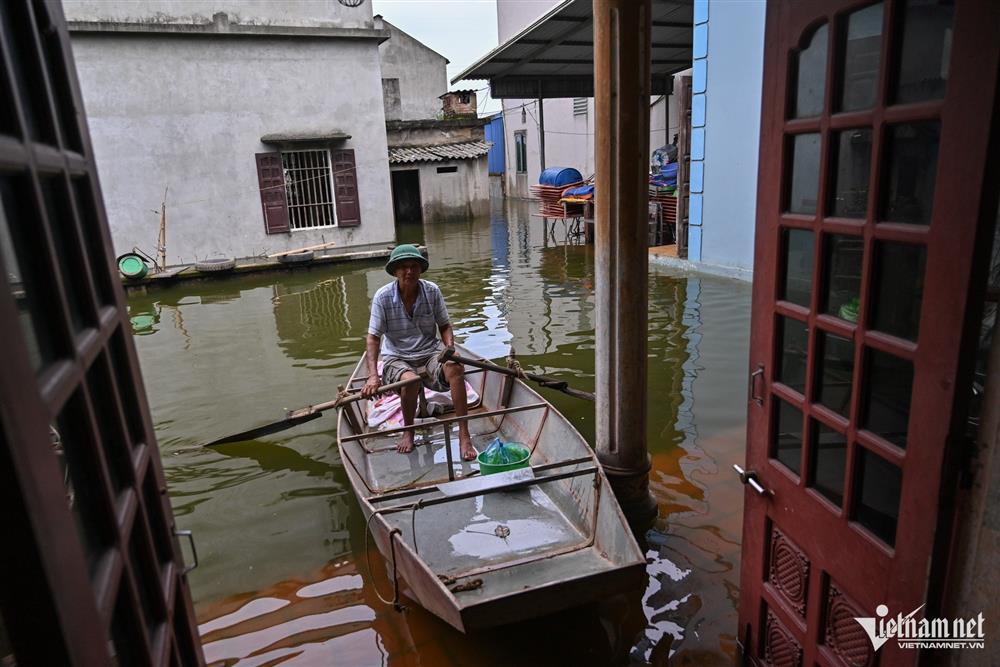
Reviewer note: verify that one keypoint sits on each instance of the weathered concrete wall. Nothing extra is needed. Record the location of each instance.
(436, 133)
(188, 112)
(315, 13)
(734, 78)
(460, 195)
(421, 72)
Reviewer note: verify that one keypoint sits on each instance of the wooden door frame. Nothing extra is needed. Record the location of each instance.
(955, 294)
(57, 607)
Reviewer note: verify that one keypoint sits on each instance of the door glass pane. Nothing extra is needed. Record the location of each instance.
(794, 345)
(828, 461)
(887, 396)
(861, 53)
(878, 485)
(798, 244)
(787, 446)
(899, 288)
(852, 164)
(113, 442)
(70, 437)
(93, 242)
(125, 630)
(811, 77)
(911, 152)
(926, 52)
(6, 650)
(804, 174)
(21, 273)
(67, 247)
(836, 359)
(843, 275)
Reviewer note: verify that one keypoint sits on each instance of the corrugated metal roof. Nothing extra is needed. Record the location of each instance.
(463, 151)
(554, 56)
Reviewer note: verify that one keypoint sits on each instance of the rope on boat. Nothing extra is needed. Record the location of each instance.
(395, 573)
(413, 522)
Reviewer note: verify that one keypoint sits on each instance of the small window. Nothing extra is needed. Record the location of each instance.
(307, 186)
(580, 106)
(521, 152)
(447, 170)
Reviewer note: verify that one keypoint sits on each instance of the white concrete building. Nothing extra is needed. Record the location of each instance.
(727, 49)
(437, 145)
(414, 76)
(264, 120)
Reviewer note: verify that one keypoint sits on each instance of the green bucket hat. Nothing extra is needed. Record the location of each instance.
(404, 252)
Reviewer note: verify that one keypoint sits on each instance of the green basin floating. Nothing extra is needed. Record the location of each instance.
(132, 266)
(143, 322)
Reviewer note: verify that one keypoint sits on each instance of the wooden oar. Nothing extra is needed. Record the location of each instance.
(303, 415)
(542, 380)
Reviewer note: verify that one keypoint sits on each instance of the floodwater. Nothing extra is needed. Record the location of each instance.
(283, 577)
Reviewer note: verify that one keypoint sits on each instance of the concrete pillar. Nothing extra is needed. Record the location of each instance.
(622, 30)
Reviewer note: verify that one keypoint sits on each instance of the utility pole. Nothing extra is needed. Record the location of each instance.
(622, 33)
(541, 128)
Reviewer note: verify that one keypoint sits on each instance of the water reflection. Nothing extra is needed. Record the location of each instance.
(229, 354)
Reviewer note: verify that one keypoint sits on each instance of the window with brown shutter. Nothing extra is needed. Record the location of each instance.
(273, 200)
(345, 178)
(302, 189)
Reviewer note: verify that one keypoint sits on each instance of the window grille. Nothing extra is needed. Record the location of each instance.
(580, 106)
(308, 188)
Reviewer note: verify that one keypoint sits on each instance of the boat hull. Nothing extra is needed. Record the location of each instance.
(484, 551)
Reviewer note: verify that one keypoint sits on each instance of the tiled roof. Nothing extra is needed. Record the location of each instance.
(463, 151)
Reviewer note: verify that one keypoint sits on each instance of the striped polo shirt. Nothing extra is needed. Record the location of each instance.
(405, 336)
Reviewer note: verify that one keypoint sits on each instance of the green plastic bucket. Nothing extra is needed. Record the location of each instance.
(132, 266)
(521, 462)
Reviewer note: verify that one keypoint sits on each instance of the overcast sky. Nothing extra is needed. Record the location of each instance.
(460, 30)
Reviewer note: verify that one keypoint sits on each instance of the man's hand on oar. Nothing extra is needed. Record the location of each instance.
(303, 415)
(550, 383)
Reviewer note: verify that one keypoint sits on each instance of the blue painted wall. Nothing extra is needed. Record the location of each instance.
(728, 79)
(494, 133)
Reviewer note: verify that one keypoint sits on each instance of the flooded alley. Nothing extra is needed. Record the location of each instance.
(282, 575)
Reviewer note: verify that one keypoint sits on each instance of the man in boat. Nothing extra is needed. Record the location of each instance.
(407, 314)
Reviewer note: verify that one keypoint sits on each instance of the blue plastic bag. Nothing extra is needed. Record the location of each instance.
(498, 453)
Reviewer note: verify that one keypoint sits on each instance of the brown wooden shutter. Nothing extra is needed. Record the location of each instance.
(345, 179)
(273, 201)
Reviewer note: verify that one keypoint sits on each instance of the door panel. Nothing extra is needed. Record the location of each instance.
(870, 191)
(93, 572)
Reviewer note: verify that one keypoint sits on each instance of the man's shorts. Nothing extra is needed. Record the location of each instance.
(429, 368)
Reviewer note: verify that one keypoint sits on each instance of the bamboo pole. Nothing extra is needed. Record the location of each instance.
(319, 246)
(161, 244)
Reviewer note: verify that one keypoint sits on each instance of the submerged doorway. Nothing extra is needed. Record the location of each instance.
(406, 196)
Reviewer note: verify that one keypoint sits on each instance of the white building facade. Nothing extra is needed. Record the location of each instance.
(727, 72)
(188, 96)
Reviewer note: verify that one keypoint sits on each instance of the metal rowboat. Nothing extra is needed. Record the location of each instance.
(480, 551)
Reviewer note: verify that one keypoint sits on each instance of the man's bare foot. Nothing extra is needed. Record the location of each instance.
(468, 451)
(405, 445)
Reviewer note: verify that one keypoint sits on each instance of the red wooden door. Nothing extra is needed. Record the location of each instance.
(872, 190)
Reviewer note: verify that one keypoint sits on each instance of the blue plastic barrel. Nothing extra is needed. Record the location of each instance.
(559, 176)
